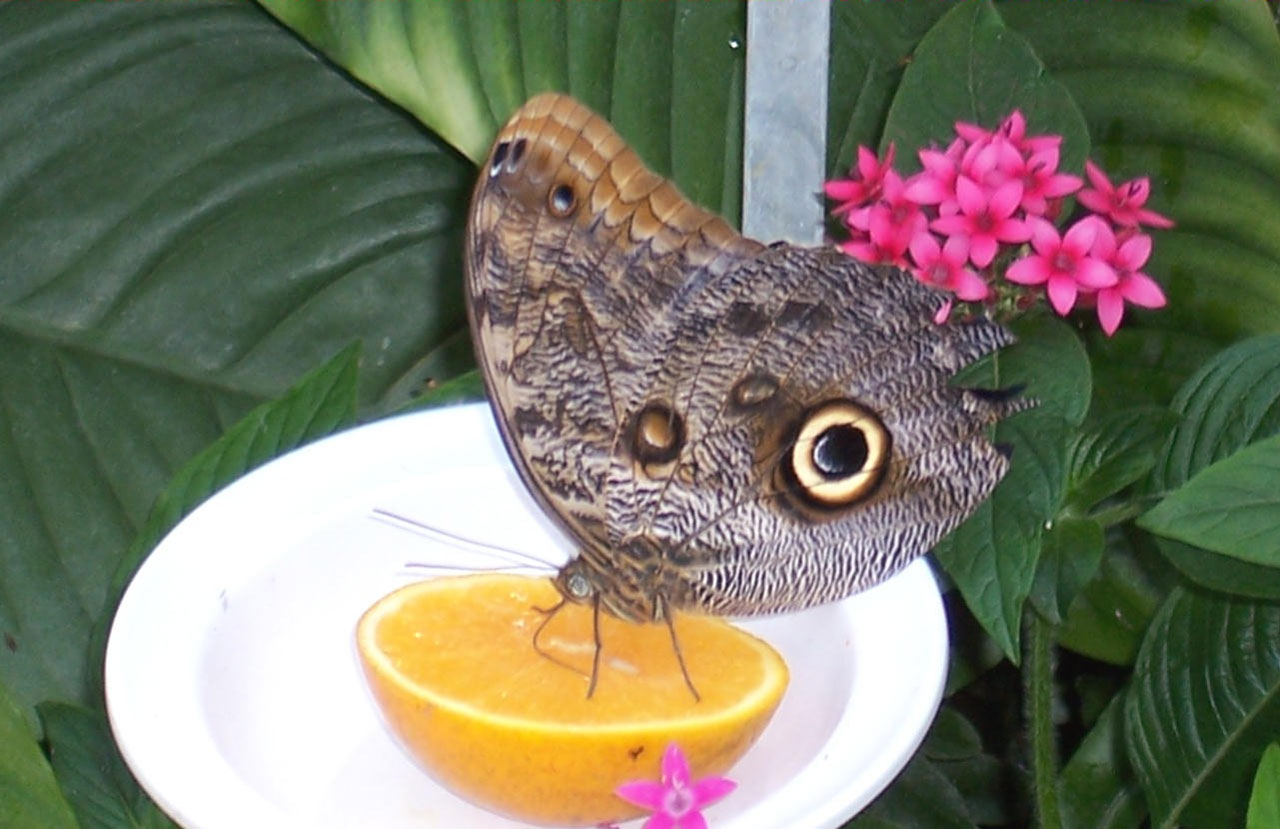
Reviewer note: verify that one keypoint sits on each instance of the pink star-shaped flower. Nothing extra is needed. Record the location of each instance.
(1013, 129)
(894, 220)
(1067, 263)
(1122, 204)
(864, 187)
(677, 801)
(985, 218)
(936, 183)
(944, 267)
(1131, 284)
(1041, 181)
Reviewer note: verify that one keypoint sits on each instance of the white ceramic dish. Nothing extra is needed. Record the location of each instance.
(235, 694)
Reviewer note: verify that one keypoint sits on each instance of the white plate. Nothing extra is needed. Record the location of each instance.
(236, 698)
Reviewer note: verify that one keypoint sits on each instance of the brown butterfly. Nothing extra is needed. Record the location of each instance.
(724, 426)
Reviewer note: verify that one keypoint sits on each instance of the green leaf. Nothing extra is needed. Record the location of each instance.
(92, 774)
(1139, 367)
(1232, 401)
(1222, 573)
(323, 402)
(871, 46)
(1184, 92)
(971, 67)
(1231, 507)
(1264, 803)
(197, 210)
(29, 795)
(1118, 449)
(1043, 342)
(669, 76)
(1107, 619)
(1097, 788)
(1069, 556)
(464, 388)
(1203, 705)
(921, 797)
(992, 556)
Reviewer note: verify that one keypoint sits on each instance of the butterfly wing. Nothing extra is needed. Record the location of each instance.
(723, 426)
(574, 253)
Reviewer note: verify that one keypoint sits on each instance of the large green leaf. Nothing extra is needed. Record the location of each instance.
(1048, 363)
(1117, 449)
(668, 75)
(197, 210)
(1144, 366)
(29, 794)
(1203, 705)
(1097, 788)
(1230, 507)
(1070, 553)
(992, 556)
(1184, 92)
(1108, 617)
(92, 774)
(323, 402)
(871, 45)
(1233, 400)
(1264, 803)
(1222, 573)
(971, 67)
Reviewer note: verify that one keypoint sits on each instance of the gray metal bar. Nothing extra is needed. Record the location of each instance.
(785, 129)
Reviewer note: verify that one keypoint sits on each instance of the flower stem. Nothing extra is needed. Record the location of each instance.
(1037, 675)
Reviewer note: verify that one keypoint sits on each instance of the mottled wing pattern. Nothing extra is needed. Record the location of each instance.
(653, 373)
(575, 252)
(736, 536)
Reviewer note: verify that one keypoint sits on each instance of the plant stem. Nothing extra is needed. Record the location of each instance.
(1037, 675)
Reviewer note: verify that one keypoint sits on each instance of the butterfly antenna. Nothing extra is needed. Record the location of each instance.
(461, 542)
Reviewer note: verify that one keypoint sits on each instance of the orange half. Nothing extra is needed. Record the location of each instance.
(453, 667)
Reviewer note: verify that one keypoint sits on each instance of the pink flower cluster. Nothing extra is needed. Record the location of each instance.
(989, 201)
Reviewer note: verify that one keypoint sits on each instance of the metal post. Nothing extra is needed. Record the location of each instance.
(785, 129)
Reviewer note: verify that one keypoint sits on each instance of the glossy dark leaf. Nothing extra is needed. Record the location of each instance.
(1117, 449)
(992, 556)
(1183, 92)
(1233, 400)
(1070, 553)
(1264, 802)
(1222, 573)
(1047, 362)
(92, 774)
(1230, 507)
(1140, 367)
(323, 402)
(1097, 788)
(921, 797)
(971, 67)
(669, 76)
(1203, 705)
(29, 794)
(197, 211)
(872, 44)
(1108, 617)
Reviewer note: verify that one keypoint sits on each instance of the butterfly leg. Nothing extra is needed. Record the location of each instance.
(549, 613)
(684, 669)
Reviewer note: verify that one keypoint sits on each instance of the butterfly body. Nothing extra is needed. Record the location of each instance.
(724, 427)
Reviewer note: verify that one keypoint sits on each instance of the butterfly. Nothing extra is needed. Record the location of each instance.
(723, 426)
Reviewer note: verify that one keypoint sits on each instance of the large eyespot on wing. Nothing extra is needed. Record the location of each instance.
(838, 456)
